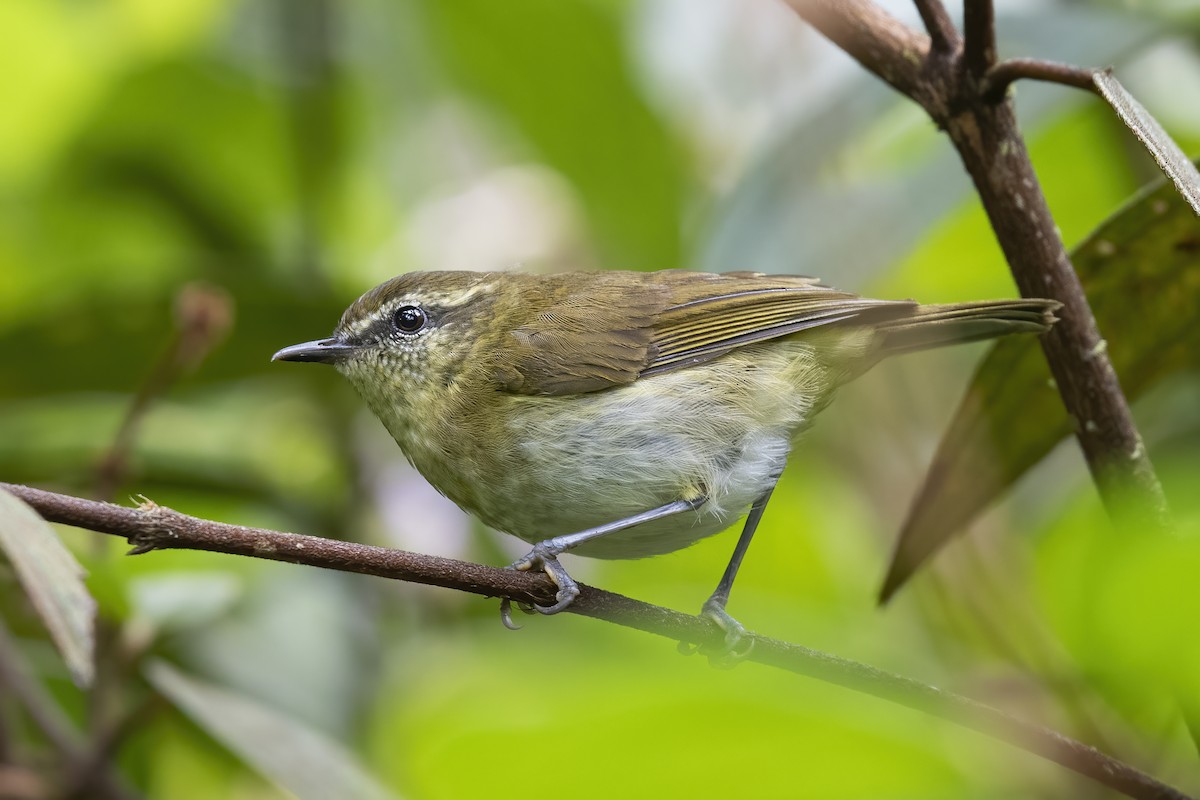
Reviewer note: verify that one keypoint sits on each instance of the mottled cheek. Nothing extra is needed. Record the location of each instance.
(406, 364)
(397, 373)
(386, 372)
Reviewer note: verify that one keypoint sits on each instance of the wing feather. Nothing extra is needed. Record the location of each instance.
(753, 308)
(618, 327)
(591, 335)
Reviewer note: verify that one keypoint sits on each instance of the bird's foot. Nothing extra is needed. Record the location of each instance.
(544, 557)
(735, 646)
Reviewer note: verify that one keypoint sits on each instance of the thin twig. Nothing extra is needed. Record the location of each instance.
(943, 36)
(203, 315)
(979, 37)
(1000, 77)
(152, 527)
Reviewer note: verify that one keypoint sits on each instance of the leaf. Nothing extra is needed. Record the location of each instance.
(1171, 159)
(53, 580)
(298, 759)
(1142, 277)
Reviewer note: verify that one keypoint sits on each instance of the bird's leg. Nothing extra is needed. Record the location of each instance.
(714, 607)
(544, 555)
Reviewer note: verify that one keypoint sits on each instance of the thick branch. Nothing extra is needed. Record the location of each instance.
(979, 37)
(874, 38)
(152, 527)
(993, 152)
(985, 133)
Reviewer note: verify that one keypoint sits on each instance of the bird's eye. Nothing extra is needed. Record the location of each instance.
(409, 319)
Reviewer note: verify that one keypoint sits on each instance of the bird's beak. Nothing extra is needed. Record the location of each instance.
(322, 351)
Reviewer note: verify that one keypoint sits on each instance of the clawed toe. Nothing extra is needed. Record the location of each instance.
(736, 645)
(547, 560)
(564, 597)
(506, 614)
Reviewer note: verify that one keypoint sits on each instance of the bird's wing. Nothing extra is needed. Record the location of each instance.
(716, 314)
(639, 325)
(594, 332)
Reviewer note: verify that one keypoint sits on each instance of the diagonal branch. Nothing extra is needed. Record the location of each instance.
(943, 36)
(152, 527)
(984, 131)
(880, 42)
(203, 316)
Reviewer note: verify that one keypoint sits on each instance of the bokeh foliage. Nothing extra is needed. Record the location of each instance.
(295, 152)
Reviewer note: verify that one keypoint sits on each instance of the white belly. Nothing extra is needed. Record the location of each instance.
(628, 450)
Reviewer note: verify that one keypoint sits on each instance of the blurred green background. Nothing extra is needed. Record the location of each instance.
(232, 174)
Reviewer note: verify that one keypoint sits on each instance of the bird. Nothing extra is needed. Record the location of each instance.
(622, 414)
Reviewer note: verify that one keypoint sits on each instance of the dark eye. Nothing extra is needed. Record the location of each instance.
(409, 319)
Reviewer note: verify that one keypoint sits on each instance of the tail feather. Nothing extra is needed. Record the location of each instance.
(954, 323)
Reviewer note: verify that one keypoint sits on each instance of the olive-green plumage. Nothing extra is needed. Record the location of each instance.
(552, 404)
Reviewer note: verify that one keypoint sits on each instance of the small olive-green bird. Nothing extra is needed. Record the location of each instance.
(622, 414)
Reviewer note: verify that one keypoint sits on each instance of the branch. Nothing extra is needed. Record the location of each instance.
(874, 38)
(943, 36)
(154, 527)
(992, 149)
(988, 140)
(203, 315)
(979, 37)
(999, 77)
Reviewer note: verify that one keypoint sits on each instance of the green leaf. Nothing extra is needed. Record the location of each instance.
(1142, 278)
(1123, 607)
(53, 580)
(296, 758)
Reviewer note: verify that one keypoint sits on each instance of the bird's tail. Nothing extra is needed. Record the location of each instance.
(953, 323)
